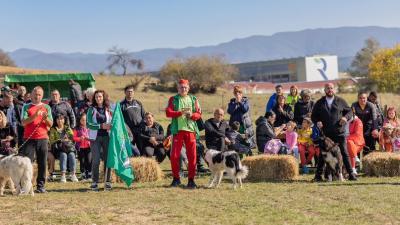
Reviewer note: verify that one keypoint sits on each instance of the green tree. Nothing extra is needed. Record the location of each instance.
(5, 60)
(359, 66)
(385, 69)
(205, 73)
(120, 57)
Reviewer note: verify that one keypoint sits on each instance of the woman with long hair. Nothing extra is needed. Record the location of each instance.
(99, 124)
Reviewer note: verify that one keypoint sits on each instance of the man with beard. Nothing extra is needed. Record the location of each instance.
(330, 114)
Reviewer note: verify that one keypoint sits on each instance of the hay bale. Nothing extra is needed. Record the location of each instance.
(383, 164)
(146, 169)
(271, 168)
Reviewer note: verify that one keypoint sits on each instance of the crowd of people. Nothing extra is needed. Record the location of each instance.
(64, 131)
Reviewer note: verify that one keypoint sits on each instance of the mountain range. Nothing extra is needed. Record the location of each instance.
(343, 42)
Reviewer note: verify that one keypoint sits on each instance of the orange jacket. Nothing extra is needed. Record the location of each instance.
(356, 132)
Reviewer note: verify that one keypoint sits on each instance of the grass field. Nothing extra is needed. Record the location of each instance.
(367, 201)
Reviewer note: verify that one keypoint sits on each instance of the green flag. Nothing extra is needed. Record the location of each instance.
(119, 148)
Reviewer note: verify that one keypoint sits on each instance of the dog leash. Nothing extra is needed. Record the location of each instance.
(30, 136)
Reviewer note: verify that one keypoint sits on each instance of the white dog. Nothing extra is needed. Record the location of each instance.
(20, 170)
(228, 161)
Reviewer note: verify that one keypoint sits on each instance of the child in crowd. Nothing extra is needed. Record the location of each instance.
(396, 140)
(355, 140)
(238, 143)
(81, 138)
(291, 139)
(305, 142)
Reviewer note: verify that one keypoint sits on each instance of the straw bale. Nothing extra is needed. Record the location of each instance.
(271, 168)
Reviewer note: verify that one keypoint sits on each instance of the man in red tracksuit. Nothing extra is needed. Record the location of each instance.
(184, 109)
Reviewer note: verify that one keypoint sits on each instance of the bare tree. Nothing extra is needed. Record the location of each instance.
(5, 60)
(122, 58)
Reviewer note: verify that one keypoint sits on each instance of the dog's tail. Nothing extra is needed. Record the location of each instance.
(26, 179)
(241, 171)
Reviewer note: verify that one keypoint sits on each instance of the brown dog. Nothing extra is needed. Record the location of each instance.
(333, 159)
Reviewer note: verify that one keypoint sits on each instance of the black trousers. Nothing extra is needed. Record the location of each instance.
(20, 134)
(37, 149)
(157, 151)
(85, 160)
(341, 141)
(370, 143)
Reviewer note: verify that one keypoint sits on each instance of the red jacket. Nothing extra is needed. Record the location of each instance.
(356, 132)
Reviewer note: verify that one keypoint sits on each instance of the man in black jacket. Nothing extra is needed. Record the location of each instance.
(61, 107)
(330, 113)
(215, 129)
(133, 113)
(303, 107)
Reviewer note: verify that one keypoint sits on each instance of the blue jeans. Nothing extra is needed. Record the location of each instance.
(70, 158)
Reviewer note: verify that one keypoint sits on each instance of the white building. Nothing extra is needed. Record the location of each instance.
(310, 68)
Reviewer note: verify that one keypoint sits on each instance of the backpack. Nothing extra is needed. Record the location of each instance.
(273, 146)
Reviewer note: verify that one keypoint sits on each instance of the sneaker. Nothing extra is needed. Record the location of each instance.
(317, 178)
(305, 169)
(355, 171)
(175, 182)
(357, 159)
(63, 179)
(352, 177)
(74, 178)
(51, 178)
(107, 186)
(40, 190)
(191, 184)
(94, 186)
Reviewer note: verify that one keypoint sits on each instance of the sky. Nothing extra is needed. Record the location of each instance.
(93, 26)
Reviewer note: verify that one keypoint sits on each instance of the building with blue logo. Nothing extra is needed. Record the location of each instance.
(310, 68)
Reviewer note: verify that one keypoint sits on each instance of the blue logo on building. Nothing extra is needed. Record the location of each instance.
(322, 71)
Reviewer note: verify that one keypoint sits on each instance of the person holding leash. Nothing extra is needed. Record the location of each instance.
(331, 114)
(37, 120)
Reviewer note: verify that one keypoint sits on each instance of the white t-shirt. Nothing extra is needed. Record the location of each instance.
(329, 101)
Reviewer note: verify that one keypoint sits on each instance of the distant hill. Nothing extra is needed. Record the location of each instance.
(343, 41)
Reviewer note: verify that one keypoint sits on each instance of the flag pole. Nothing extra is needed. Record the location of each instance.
(105, 177)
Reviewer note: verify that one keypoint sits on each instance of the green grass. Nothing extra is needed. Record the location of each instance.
(368, 201)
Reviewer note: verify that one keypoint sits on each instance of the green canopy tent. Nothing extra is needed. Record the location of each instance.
(50, 81)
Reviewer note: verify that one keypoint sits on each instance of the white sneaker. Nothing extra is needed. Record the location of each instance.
(355, 171)
(74, 178)
(357, 159)
(63, 179)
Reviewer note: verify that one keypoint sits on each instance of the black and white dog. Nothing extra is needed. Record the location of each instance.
(229, 161)
(333, 159)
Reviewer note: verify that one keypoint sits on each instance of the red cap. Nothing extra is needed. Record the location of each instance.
(183, 81)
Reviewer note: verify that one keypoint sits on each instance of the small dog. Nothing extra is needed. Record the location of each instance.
(333, 159)
(228, 161)
(19, 169)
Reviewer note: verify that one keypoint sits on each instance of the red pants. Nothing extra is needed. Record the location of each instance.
(189, 139)
(353, 150)
(311, 152)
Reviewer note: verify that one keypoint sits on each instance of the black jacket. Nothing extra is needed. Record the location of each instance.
(282, 117)
(264, 132)
(146, 132)
(301, 109)
(65, 109)
(133, 113)
(368, 116)
(330, 117)
(75, 92)
(215, 135)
